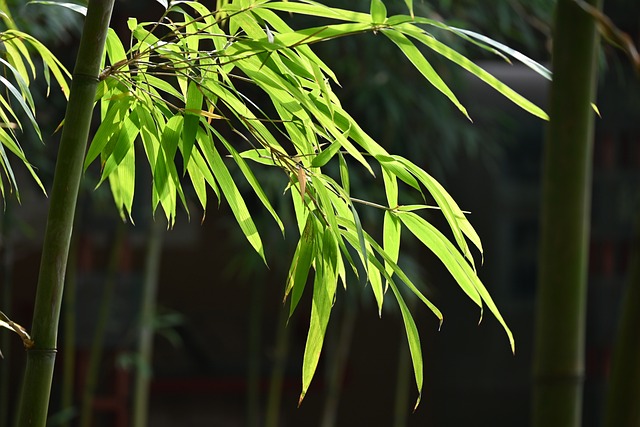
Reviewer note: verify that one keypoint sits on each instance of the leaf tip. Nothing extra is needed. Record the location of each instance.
(415, 408)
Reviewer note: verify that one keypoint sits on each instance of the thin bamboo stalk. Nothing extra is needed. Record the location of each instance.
(147, 314)
(104, 312)
(561, 306)
(6, 270)
(36, 386)
(336, 368)
(274, 397)
(622, 407)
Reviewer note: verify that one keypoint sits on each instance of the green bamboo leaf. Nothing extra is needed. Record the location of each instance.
(444, 250)
(14, 56)
(122, 183)
(378, 12)
(413, 339)
(535, 66)
(410, 6)
(126, 135)
(115, 50)
(348, 232)
(197, 180)
(111, 122)
(325, 155)
(455, 263)
(251, 179)
(301, 264)
(191, 121)
(391, 240)
(24, 85)
(324, 289)
(259, 155)
(317, 9)
(52, 63)
(236, 202)
(344, 174)
(164, 175)
(71, 6)
(474, 69)
(420, 62)
(362, 247)
(18, 97)
(457, 220)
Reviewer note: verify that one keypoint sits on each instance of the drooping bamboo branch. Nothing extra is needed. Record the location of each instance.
(562, 290)
(36, 386)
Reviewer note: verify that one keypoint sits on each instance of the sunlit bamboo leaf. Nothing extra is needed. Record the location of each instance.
(378, 12)
(251, 179)
(301, 264)
(420, 62)
(391, 240)
(474, 69)
(414, 342)
(18, 97)
(191, 121)
(236, 203)
(324, 289)
(535, 66)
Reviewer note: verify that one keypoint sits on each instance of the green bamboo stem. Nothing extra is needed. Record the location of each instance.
(6, 270)
(274, 398)
(622, 407)
(36, 387)
(104, 312)
(147, 315)
(254, 351)
(339, 360)
(69, 324)
(561, 306)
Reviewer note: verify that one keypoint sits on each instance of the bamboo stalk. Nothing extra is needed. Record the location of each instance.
(104, 312)
(561, 306)
(6, 270)
(36, 387)
(274, 398)
(336, 369)
(622, 407)
(147, 314)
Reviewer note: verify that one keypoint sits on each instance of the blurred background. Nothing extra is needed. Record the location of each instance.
(222, 355)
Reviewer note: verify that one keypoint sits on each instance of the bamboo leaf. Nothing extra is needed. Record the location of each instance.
(18, 97)
(378, 12)
(72, 6)
(420, 62)
(236, 202)
(391, 240)
(535, 66)
(413, 339)
(324, 289)
(251, 179)
(301, 264)
(191, 121)
(474, 69)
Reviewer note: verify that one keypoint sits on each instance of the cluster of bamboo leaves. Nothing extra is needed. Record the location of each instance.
(17, 53)
(191, 88)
